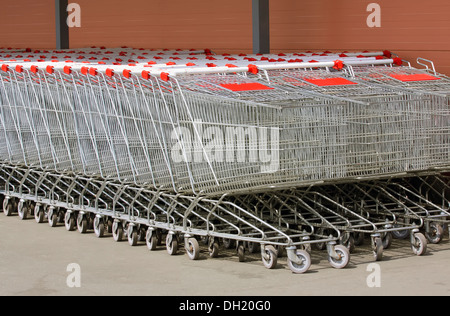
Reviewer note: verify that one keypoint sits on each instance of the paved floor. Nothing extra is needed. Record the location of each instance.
(34, 259)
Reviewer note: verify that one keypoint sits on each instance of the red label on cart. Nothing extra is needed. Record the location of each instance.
(330, 82)
(415, 77)
(245, 87)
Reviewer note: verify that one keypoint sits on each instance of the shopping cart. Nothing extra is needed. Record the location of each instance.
(386, 214)
(185, 151)
(426, 81)
(304, 224)
(409, 192)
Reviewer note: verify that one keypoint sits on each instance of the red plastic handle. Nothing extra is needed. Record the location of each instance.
(50, 69)
(145, 74)
(164, 76)
(398, 61)
(338, 64)
(93, 71)
(253, 69)
(127, 73)
(109, 72)
(67, 70)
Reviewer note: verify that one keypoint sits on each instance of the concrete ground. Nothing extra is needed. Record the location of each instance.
(34, 260)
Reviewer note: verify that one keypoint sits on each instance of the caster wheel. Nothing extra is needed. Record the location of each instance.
(378, 249)
(69, 221)
(213, 248)
(61, 217)
(141, 234)
(269, 257)
(159, 237)
(22, 210)
(419, 246)
(192, 248)
(151, 239)
(350, 244)
(344, 257)
(82, 223)
(39, 214)
(109, 226)
(172, 244)
(117, 231)
(8, 207)
(387, 240)
(52, 217)
(435, 234)
(241, 253)
(132, 235)
(303, 265)
(99, 227)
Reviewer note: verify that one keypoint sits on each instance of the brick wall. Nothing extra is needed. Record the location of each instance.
(412, 29)
(172, 24)
(27, 23)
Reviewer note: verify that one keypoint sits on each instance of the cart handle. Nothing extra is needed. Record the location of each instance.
(166, 74)
(420, 60)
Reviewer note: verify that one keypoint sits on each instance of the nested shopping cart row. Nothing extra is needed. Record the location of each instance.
(154, 217)
(296, 221)
(269, 156)
(130, 56)
(217, 132)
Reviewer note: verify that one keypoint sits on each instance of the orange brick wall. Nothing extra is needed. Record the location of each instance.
(412, 29)
(221, 25)
(27, 23)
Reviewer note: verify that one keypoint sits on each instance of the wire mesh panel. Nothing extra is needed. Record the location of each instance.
(217, 133)
(430, 86)
(390, 131)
